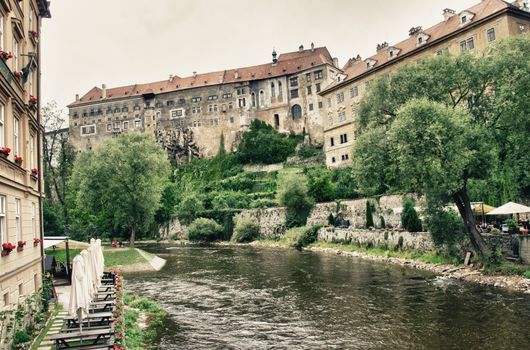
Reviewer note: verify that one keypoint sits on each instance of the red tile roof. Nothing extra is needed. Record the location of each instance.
(353, 69)
(288, 63)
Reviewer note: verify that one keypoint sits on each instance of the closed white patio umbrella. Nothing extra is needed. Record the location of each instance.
(96, 280)
(510, 208)
(100, 257)
(89, 277)
(79, 303)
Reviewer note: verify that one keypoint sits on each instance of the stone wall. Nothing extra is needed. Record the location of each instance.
(271, 220)
(354, 211)
(524, 249)
(173, 229)
(418, 241)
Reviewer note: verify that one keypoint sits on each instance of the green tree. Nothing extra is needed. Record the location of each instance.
(369, 215)
(319, 184)
(204, 230)
(409, 216)
(292, 193)
(168, 203)
(189, 208)
(118, 186)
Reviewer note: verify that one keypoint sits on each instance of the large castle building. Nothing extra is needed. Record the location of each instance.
(472, 30)
(189, 115)
(20, 150)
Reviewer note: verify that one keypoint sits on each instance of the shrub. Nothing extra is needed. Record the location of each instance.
(204, 230)
(229, 199)
(409, 217)
(309, 151)
(382, 223)
(21, 337)
(446, 227)
(319, 184)
(527, 274)
(263, 203)
(189, 207)
(246, 230)
(344, 184)
(369, 215)
(225, 217)
(292, 193)
(299, 237)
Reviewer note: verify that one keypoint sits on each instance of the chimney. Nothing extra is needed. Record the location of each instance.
(274, 55)
(300, 48)
(522, 4)
(236, 75)
(312, 47)
(381, 46)
(76, 97)
(415, 30)
(448, 13)
(170, 78)
(195, 74)
(336, 62)
(103, 91)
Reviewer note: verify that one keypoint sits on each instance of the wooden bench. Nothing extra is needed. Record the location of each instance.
(94, 318)
(106, 305)
(103, 296)
(97, 339)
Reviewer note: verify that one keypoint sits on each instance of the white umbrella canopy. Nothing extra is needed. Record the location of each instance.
(79, 303)
(89, 277)
(510, 208)
(100, 257)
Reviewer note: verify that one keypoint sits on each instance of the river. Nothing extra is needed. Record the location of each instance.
(261, 298)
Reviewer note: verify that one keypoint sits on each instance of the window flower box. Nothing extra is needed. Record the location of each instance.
(18, 74)
(18, 160)
(20, 245)
(7, 248)
(35, 172)
(36, 241)
(32, 101)
(5, 55)
(4, 151)
(34, 34)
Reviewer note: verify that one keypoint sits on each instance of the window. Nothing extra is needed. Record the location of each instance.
(340, 97)
(227, 95)
(491, 35)
(16, 129)
(308, 77)
(212, 97)
(196, 99)
(318, 75)
(17, 219)
(332, 142)
(242, 102)
(88, 129)
(125, 125)
(232, 120)
(117, 126)
(34, 219)
(293, 82)
(343, 138)
(443, 52)
(280, 88)
(354, 91)
(253, 99)
(296, 111)
(333, 159)
(177, 113)
(345, 156)
(261, 98)
(109, 127)
(420, 41)
(196, 123)
(294, 93)
(32, 151)
(273, 92)
(3, 234)
(195, 109)
(467, 44)
(1, 31)
(317, 87)
(230, 106)
(137, 124)
(309, 90)
(521, 27)
(342, 116)
(463, 19)
(15, 54)
(125, 109)
(311, 107)
(320, 104)
(241, 91)
(170, 103)
(2, 126)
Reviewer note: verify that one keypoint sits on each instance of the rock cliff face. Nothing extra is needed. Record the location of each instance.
(271, 220)
(179, 143)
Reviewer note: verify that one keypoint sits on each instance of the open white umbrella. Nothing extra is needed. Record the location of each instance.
(510, 208)
(79, 303)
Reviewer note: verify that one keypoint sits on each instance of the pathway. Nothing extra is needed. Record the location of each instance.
(57, 324)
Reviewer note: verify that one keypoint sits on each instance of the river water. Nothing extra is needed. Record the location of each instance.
(260, 298)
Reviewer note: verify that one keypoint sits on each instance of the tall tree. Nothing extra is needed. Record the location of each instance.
(439, 125)
(118, 186)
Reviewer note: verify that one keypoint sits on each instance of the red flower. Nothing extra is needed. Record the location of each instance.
(5, 55)
(5, 151)
(36, 240)
(35, 171)
(32, 99)
(18, 74)
(18, 159)
(8, 247)
(21, 244)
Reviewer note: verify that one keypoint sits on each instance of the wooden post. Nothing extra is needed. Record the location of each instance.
(68, 272)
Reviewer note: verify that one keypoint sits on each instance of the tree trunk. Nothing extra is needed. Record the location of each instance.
(133, 236)
(463, 204)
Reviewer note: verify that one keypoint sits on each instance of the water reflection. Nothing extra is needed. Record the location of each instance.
(247, 298)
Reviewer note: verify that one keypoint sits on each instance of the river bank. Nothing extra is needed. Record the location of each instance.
(512, 283)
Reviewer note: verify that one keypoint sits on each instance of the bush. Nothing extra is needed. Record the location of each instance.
(204, 230)
(225, 217)
(263, 203)
(299, 237)
(246, 230)
(409, 217)
(226, 200)
(21, 337)
(263, 144)
(344, 184)
(188, 208)
(446, 227)
(369, 215)
(292, 193)
(309, 151)
(319, 184)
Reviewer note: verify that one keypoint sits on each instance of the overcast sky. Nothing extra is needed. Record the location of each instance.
(119, 42)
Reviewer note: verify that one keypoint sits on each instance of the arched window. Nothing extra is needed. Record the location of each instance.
(296, 111)
(261, 98)
(273, 92)
(279, 88)
(253, 99)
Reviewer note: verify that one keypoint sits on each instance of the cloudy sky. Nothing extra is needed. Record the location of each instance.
(122, 42)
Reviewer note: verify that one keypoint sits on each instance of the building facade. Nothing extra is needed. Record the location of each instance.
(189, 115)
(20, 163)
(471, 30)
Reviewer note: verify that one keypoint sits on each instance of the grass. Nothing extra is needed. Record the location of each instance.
(136, 337)
(508, 268)
(49, 324)
(113, 256)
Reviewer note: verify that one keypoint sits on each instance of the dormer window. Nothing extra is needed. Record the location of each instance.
(370, 63)
(393, 52)
(465, 17)
(421, 38)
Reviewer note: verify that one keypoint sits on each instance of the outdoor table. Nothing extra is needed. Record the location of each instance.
(104, 296)
(106, 305)
(99, 317)
(91, 337)
(106, 288)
